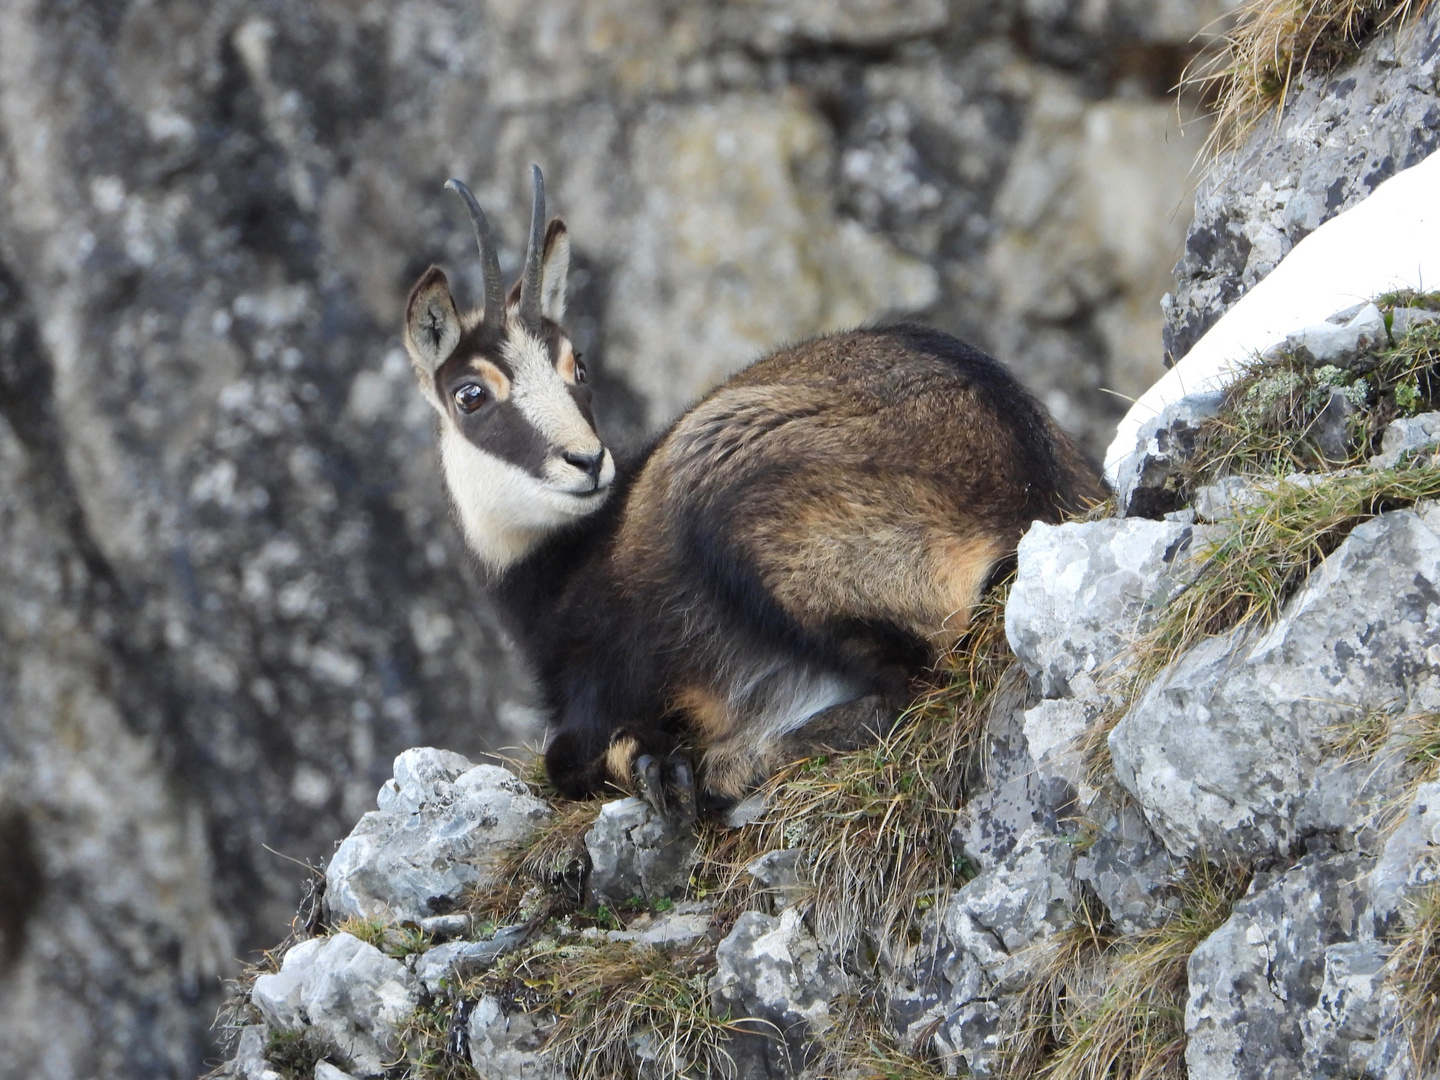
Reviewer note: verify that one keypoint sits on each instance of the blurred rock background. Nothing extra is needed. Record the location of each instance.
(230, 591)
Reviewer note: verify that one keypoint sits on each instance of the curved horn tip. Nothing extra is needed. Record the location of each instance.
(489, 257)
(460, 188)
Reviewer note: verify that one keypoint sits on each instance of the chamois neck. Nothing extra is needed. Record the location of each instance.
(527, 589)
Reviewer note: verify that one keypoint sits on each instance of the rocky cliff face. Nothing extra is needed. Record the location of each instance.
(1338, 139)
(1179, 818)
(1210, 852)
(231, 591)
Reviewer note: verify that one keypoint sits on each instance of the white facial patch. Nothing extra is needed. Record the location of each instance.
(544, 400)
(503, 510)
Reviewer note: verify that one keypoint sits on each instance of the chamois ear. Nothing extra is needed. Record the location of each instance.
(432, 325)
(555, 272)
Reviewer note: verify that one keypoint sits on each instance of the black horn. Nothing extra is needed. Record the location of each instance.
(489, 258)
(534, 259)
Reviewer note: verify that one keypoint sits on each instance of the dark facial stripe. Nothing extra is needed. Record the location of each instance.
(500, 429)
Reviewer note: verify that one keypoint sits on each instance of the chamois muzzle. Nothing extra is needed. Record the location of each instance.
(589, 464)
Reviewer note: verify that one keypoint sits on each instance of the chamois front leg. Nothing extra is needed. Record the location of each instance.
(587, 754)
(667, 783)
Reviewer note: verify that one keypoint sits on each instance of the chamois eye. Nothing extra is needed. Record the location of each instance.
(579, 369)
(469, 397)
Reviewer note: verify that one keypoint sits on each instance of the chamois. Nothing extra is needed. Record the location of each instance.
(763, 580)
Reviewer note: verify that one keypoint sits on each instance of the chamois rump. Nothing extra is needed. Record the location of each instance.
(761, 582)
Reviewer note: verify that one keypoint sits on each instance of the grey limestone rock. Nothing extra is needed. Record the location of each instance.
(1404, 436)
(1411, 856)
(678, 928)
(1255, 980)
(346, 995)
(973, 952)
(1123, 860)
(325, 1071)
(1230, 496)
(1346, 1033)
(1073, 31)
(1340, 136)
(775, 25)
(444, 964)
(635, 852)
(1342, 344)
(1054, 735)
(446, 927)
(1405, 319)
(1146, 480)
(1027, 898)
(781, 874)
(1225, 498)
(1010, 794)
(248, 1062)
(1226, 749)
(505, 1044)
(1084, 591)
(1128, 866)
(772, 972)
(441, 823)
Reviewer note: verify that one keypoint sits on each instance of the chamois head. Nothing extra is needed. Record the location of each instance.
(517, 440)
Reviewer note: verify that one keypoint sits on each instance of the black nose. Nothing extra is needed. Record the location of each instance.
(589, 464)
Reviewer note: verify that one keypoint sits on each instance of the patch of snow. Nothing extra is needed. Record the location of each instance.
(1389, 241)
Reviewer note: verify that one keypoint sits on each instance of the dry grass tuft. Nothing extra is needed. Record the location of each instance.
(1269, 422)
(396, 941)
(613, 1001)
(860, 1048)
(1270, 46)
(429, 1039)
(1269, 549)
(1111, 1007)
(1363, 735)
(549, 866)
(1422, 744)
(1414, 972)
(1371, 730)
(876, 822)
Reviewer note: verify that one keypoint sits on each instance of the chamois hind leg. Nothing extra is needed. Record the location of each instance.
(735, 766)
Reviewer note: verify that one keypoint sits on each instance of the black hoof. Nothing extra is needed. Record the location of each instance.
(668, 785)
